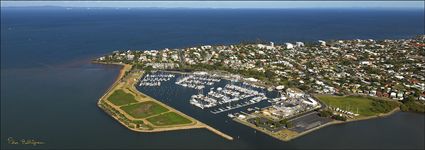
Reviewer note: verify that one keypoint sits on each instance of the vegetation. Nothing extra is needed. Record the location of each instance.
(289, 125)
(148, 69)
(338, 117)
(382, 106)
(144, 109)
(119, 98)
(264, 122)
(411, 105)
(138, 65)
(263, 76)
(286, 134)
(366, 106)
(113, 112)
(169, 118)
(325, 113)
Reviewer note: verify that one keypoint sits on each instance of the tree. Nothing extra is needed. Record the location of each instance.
(412, 106)
(283, 121)
(404, 108)
(269, 74)
(148, 69)
(341, 118)
(325, 113)
(289, 125)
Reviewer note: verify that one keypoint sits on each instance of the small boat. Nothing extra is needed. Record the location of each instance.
(231, 115)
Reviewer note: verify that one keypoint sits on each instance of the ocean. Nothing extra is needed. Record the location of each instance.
(49, 88)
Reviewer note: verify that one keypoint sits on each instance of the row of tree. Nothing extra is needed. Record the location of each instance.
(383, 106)
(411, 105)
(327, 113)
(267, 122)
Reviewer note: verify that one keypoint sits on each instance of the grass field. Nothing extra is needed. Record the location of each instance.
(144, 109)
(119, 98)
(286, 134)
(350, 103)
(169, 118)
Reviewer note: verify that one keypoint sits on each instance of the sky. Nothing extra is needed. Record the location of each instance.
(222, 4)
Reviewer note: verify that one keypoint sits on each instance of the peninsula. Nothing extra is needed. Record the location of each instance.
(301, 86)
(141, 113)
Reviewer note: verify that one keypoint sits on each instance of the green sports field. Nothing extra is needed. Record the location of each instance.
(119, 98)
(144, 109)
(350, 103)
(169, 118)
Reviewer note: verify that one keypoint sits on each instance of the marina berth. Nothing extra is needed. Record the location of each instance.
(227, 98)
(155, 79)
(197, 80)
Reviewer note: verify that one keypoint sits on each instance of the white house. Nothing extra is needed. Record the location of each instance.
(295, 93)
(322, 43)
(299, 44)
(289, 46)
(262, 46)
(142, 58)
(206, 47)
(175, 57)
(130, 57)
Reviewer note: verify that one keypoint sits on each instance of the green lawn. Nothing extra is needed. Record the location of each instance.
(144, 109)
(363, 104)
(169, 118)
(119, 98)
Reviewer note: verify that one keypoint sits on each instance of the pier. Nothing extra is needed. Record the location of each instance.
(219, 133)
(236, 107)
(221, 96)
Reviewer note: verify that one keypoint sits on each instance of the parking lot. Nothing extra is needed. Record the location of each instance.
(308, 121)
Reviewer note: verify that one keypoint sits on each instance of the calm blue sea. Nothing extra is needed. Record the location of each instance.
(49, 88)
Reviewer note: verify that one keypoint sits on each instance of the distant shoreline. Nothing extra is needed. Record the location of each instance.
(215, 8)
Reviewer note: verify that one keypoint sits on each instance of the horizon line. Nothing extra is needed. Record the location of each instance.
(123, 7)
(217, 4)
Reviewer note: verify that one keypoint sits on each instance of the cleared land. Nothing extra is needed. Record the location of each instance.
(119, 98)
(286, 134)
(144, 109)
(169, 118)
(351, 103)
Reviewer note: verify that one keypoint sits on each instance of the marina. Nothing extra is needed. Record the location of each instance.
(229, 97)
(210, 91)
(47, 53)
(241, 100)
(155, 79)
(287, 105)
(197, 80)
(168, 91)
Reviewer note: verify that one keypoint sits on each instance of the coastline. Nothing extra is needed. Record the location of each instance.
(334, 122)
(120, 75)
(198, 124)
(195, 124)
